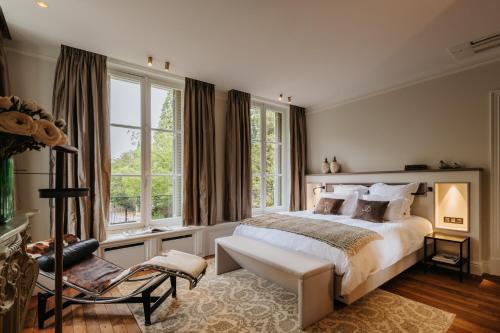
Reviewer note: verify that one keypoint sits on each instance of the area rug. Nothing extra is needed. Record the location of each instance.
(240, 301)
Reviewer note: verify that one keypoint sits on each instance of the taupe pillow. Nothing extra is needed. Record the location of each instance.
(328, 206)
(372, 211)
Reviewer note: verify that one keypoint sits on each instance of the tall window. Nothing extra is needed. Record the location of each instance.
(146, 151)
(268, 185)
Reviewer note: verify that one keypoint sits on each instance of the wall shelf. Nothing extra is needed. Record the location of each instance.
(392, 171)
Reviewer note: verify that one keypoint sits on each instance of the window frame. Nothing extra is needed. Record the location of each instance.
(147, 82)
(265, 106)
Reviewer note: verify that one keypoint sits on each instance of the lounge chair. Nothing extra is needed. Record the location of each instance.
(93, 277)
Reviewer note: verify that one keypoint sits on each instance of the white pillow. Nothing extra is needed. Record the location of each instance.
(396, 191)
(350, 189)
(349, 204)
(396, 208)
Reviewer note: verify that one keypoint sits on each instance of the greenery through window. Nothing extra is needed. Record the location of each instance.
(146, 141)
(267, 157)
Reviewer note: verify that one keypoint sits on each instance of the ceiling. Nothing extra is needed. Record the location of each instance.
(321, 52)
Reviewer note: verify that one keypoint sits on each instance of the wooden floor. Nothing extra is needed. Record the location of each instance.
(476, 302)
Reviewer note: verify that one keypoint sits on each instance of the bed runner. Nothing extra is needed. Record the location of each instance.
(347, 238)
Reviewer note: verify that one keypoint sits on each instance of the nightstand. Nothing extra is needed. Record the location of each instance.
(460, 240)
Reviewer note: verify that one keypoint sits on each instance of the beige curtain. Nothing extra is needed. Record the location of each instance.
(80, 97)
(237, 167)
(199, 192)
(4, 73)
(298, 158)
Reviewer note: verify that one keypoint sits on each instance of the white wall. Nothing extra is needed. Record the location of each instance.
(32, 77)
(444, 118)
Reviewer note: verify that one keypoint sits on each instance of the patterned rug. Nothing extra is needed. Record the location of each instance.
(240, 301)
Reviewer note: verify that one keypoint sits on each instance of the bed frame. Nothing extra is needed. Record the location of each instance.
(377, 279)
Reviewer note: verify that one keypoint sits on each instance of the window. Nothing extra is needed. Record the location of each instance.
(146, 151)
(268, 156)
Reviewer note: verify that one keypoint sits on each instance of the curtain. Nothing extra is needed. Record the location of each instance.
(4, 73)
(298, 158)
(80, 97)
(238, 173)
(199, 192)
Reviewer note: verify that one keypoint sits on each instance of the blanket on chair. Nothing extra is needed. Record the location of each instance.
(347, 238)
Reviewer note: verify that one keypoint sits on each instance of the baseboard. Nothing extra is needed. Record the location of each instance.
(493, 266)
(477, 267)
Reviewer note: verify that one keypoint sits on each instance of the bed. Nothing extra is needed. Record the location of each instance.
(399, 246)
(402, 240)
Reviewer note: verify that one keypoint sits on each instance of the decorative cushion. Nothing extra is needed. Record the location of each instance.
(46, 246)
(350, 201)
(372, 211)
(328, 206)
(187, 263)
(395, 209)
(72, 255)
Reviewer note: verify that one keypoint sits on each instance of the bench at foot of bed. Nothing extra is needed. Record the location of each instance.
(312, 279)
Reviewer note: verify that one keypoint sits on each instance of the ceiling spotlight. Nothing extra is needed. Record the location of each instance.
(289, 99)
(167, 66)
(42, 4)
(150, 61)
(280, 98)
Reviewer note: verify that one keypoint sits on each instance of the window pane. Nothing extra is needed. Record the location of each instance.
(273, 126)
(278, 156)
(270, 126)
(162, 108)
(178, 196)
(162, 152)
(270, 191)
(125, 102)
(178, 110)
(255, 122)
(125, 199)
(125, 150)
(256, 192)
(279, 191)
(271, 158)
(278, 117)
(178, 154)
(161, 197)
(255, 157)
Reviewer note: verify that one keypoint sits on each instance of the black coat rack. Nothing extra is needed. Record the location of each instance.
(61, 195)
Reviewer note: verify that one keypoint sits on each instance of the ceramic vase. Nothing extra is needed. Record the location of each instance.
(334, 166)
(6, 190)
(325, 167)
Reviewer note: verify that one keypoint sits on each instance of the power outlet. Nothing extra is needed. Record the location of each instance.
(454, 220)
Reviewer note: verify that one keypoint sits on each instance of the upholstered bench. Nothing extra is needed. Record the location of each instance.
(312, 279)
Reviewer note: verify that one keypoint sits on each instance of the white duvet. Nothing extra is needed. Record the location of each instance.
(401, 238)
